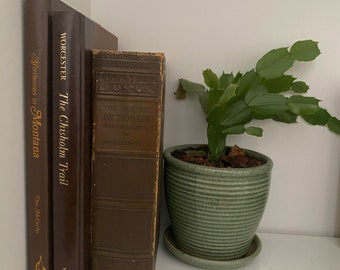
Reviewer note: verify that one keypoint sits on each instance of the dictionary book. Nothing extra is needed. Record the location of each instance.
(73, 38)
(128, 96)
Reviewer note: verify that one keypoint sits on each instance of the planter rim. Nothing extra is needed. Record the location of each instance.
(200, 168)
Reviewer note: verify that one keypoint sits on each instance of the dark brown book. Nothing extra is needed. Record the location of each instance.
(127, 148)
(73, 38)
(37, 110)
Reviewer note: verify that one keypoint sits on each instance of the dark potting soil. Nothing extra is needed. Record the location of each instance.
(234, 157)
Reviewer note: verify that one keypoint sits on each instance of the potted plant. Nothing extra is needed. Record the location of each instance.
(216, 195)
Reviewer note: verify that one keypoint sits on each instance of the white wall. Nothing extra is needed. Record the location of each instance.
(12, 225)
(84, 6)
(231, 36)
(12, 214)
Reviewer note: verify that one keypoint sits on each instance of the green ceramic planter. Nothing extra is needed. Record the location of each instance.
(214, 212)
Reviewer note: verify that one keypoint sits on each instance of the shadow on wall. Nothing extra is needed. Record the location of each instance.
(337, 218)
(164, 216)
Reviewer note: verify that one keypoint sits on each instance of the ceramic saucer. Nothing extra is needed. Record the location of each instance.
(170, 244)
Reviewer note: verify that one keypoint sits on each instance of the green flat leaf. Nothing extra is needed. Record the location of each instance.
(180, 92)
(192, 87)
(216, 115)
(300, 87)
(237, 114)
(268, 104)
(247, 81)
(211, 79)
(285, 117)
(305, 50)
(254, 92)
(214, 97)
(320, 117)
(234, 130)
(274, 63)
(237, 77)
(280, 84)
(198, 89)
(226, 80)
(254, 131)
(204, 102)
(334, 125)
(301, 105)
(227, 94)
(262, 116)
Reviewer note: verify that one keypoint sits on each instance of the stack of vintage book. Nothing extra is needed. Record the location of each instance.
(94, 124)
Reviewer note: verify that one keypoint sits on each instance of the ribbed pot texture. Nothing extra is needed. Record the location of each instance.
(214, 212)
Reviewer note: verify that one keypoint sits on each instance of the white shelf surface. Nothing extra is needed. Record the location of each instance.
(279, 252)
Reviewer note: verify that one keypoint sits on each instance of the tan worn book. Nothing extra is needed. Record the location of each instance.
(127, 147)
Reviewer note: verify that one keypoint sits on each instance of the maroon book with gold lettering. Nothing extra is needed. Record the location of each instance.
(37, 91)
(73, 38)
(127, 148)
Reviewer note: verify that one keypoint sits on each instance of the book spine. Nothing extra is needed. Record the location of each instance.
(71, 142)
(37, 130)
(126, 158)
